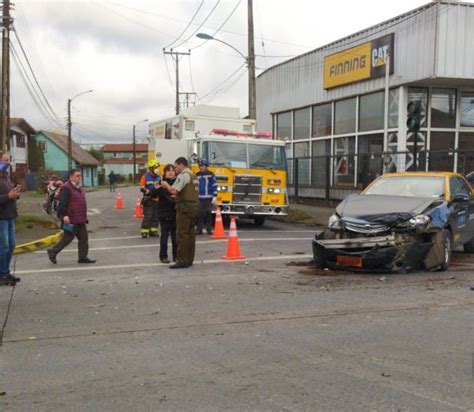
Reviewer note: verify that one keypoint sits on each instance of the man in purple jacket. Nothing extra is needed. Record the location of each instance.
(72, 211)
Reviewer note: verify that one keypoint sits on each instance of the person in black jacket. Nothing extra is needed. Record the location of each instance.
(167, 214)
(8, 214)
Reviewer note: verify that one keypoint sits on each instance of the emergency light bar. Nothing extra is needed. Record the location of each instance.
(226, 132)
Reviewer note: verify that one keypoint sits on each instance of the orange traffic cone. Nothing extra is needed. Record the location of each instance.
(233, 249)
(119, 202)
(138, 209)
(218, 227)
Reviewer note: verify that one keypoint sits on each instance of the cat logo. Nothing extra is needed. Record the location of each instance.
(362, 62)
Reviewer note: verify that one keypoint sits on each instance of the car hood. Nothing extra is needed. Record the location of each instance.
(382, 208)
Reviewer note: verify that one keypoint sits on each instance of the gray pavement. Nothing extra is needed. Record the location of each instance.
(267, 333)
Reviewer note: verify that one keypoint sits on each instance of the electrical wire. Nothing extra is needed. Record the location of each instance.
(228, 87)
(34, 94)
(199, 27)
(34, 76)
(261, 35)
(222, 83)
(221, 26)
(211, 28)
(187, 26)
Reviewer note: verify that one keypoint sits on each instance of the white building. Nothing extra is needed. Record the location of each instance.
(329, 104)
(20, 133)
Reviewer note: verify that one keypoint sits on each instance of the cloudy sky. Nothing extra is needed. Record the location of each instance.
(115, 48)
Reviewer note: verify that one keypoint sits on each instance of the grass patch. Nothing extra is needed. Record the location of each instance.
(32, 221)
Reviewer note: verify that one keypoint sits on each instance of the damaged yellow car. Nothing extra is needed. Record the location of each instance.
(400, 222)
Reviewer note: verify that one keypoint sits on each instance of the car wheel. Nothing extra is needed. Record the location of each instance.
(469, 246)
(447, 250)
(259, 220)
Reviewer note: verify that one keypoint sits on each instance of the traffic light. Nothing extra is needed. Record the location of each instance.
(414, 116)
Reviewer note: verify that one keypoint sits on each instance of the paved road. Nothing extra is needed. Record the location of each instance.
(267, 333)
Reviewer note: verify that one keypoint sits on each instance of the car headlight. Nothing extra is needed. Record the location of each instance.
(419, 220)
(334, 222)
(222, 188)
(274, 190)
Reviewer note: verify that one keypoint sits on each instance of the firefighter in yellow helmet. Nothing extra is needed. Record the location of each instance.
(148, 182)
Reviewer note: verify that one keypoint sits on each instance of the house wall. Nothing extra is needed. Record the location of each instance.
(89, 175)
(54, 156)
(19, 155)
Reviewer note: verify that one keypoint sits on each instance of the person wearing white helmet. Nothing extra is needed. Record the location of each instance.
(150, 181)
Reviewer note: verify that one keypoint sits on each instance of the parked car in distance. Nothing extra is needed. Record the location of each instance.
(401, 221)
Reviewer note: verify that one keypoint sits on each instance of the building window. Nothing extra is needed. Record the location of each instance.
(20, 141)
(421, 94)
(345, 116)
(284, 126)
(321, 160)
(344, 148)
(301, 124)
(443, 108)
(466, 153)
(370, 160)
(43, 146)
(301, 151)
(467, 109)
(441, 156)
(322, 120)
(189, 125)
(393, 102)
(371, 111)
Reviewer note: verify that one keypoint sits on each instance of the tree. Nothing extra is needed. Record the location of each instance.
(35, 155)
(97, 154)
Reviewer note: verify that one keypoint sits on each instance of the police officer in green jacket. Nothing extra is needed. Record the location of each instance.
(184, 189)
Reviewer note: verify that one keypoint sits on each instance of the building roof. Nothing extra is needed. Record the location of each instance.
(78, 154)
(358, 36)
(124, 147)
(124, 161)
(22, 124)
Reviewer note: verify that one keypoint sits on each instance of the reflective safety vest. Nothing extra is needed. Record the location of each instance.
(148, 181)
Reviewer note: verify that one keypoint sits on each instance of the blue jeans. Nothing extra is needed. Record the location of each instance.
(7, 245)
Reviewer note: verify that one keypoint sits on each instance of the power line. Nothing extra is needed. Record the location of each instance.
(187, 26)
(221, 26)
(222, 83)
(202, 24)
(211, 28)
(34, 94)
(34, 76)
(228, 87)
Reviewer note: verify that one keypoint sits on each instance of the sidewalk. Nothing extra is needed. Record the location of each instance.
(32, 222)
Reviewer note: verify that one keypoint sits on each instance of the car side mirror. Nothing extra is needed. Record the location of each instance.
(460, 197)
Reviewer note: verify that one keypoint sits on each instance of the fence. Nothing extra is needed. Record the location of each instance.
(332, 177)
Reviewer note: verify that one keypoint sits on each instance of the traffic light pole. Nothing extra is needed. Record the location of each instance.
(415, 150)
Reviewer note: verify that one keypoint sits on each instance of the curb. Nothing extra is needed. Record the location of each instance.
(37, 244)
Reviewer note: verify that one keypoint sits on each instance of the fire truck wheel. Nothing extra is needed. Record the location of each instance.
(259, 220)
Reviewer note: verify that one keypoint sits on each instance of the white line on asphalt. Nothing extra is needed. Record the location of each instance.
(98, 239)
(151, 265)
(202, 242)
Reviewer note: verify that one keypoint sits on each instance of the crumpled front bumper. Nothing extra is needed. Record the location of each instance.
(378, 253)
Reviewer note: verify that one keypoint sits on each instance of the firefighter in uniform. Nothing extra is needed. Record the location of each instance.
(184, 190)
(148, 182)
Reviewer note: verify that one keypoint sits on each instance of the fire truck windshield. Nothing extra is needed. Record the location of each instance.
(233, 154)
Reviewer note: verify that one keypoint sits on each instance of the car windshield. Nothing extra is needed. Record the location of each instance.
(233, 154)
(409, 186)
(267, 157)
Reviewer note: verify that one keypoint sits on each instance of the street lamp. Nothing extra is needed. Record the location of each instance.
(69, 127)
(250, 60)
(133, 150)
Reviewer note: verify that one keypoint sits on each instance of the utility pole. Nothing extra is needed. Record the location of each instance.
(176, 57)
(69, 137)
(186, 97)
(251, 64)
(134, 145)
(5, 122)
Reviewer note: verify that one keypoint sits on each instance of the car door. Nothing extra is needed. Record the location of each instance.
(470, 216)
(460, 216)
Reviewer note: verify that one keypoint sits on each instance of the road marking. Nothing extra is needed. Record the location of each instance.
(99, 239)
(92, 212)
(156, 264)
(202, 242)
